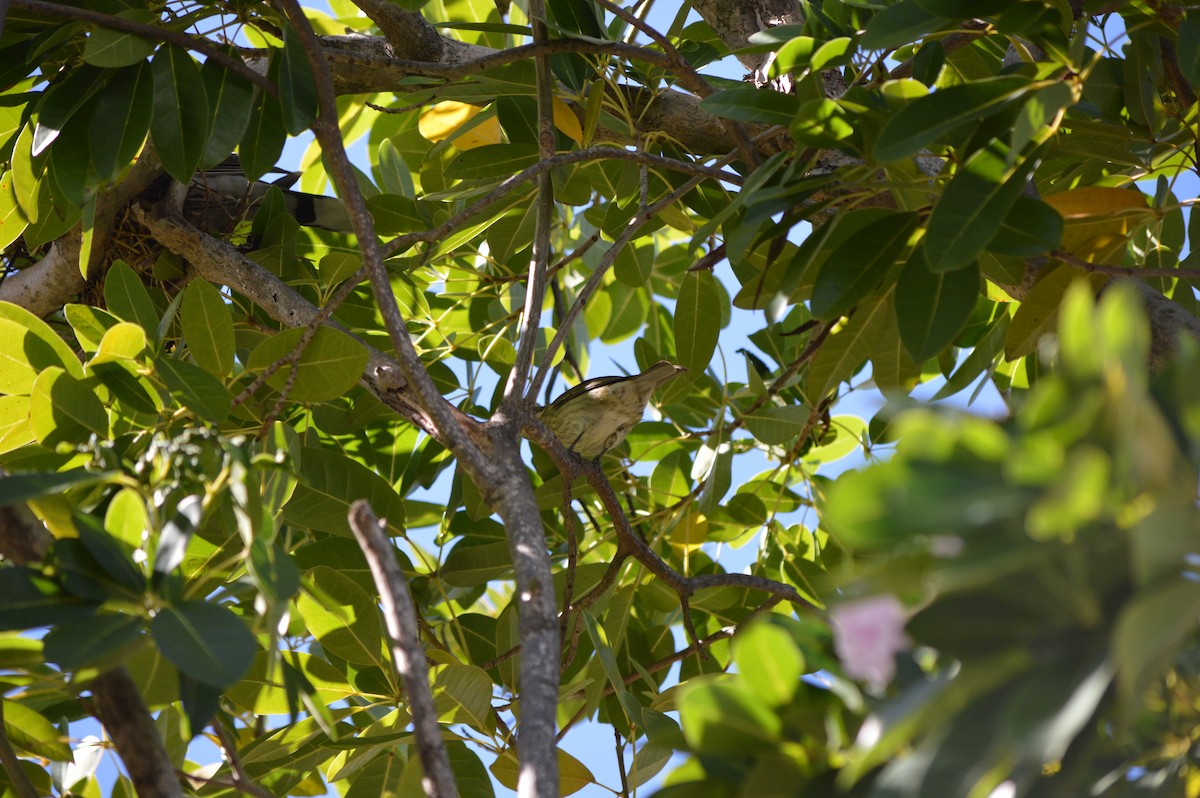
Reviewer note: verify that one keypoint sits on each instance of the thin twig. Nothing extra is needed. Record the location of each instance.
(689, 629)
(632, 228)
(620, 745)
(539, 260)
(1123, 271)
(506, 187)
(400, 616)
(241, 781)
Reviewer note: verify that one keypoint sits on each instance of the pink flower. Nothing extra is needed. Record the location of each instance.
(866, 636)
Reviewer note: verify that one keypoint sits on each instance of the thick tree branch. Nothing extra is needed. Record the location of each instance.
(406, 31)
(499, 473)
(220, 263)
(54, 280)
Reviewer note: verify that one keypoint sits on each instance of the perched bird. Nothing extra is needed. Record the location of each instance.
(223, 194)
(597, 414)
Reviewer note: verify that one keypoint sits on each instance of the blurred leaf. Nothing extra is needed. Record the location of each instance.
(206, 641)
(1149, 632)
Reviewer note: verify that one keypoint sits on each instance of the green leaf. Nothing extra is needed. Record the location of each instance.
(30, 732)
(746, 104)
(931, 309)
(822, 123)
(263, 691)
(697, 322)
(393, 215)
(126, 296)
(123, 341)
(121, 120)
(462, 694)
(722, 718)
(1188, 47)
(29, 600)
(58, 106)
(90, 642)
(41, 346)
(263, 141)
(63, 409)
(297, 87)
(1148, 634)
(845, 351)
(493, 161)
(89, 324)
(17, 488)
(194, 388)
(17, 373)
(342, 617)
(858, 265)
(982, 355)
(1037, 314)
(925, 120)
(232, 98)
(776, 426)
(12, 219)
(974, 205)
(207, 328)
(14, 423)
(1031, 228)
(769, 662)
(181, 120)
(205, 641)
(628, 313)
(898, 24)
(471, 563)
(329, 483)
(330, 365)
(109, 47)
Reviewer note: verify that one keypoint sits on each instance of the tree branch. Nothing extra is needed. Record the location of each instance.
(539, 261)
(500, 474)
(202, 46)
(400, 615)
(50, 283)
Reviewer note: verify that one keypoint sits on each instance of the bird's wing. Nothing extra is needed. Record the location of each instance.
(228, 182)
(584, 387)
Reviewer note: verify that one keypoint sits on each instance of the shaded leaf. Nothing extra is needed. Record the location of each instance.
(206, 641)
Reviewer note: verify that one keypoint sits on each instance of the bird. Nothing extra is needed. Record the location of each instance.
(224, 195)
(597, 414)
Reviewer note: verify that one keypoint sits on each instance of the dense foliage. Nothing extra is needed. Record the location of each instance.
(198, 382)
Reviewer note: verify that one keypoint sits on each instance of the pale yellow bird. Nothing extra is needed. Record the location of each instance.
(597, 414)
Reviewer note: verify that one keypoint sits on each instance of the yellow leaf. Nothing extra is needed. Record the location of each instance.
(1099, 219)
(566, 121)
(691, 531)
(486, 132)
(443, 119)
